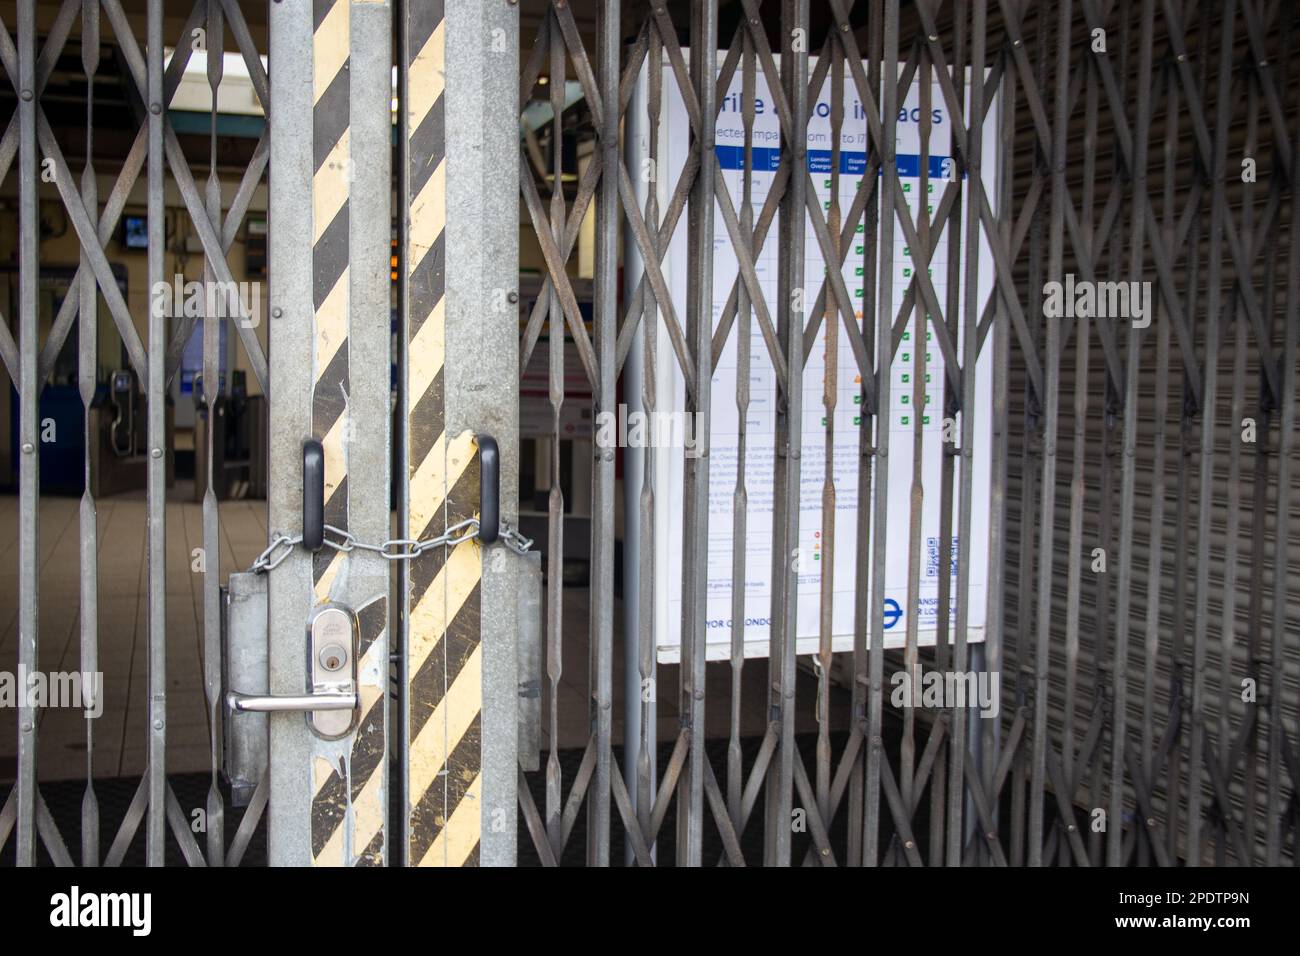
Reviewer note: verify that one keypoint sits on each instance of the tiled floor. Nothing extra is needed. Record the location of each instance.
(119, 734)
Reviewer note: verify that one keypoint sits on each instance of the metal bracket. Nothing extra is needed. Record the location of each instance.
(489, 487)
(530, 657)
(490, 527)
(244, 652)
(333, 702)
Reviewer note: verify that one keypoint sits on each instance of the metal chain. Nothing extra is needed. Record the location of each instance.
(395, 549)
(515, 541)
(265, 561)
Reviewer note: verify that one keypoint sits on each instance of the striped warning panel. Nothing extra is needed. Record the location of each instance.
(367, 769)
(444, 672)
(331, 116)
(347, 814)
(356, 782)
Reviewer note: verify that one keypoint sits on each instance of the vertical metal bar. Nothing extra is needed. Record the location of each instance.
(555, 500)
(830, 394)
(87, 360)
(994, 631)
(1128, 480)
(331, 69)
(1285, 502)
(1075, 548)
(1231, 544)
(918, 369)
(1082, 338)
(1173, 786)
(1209, 392)
(1182, 550)
(948, 449)
(1186, 449)
(213, 386)
(868, 464)
(365, 583)
(482, 396)
(1155, 537)
(1030, 454)
(880, 505)
(1103, 676)
(1051, 356)
(1148, 765)
(699, 331)
(1265, 412)
(422, 184)
(788, 435)
(155, 392)
(641, 378)
(602, 503)
(1241, 347)
(289, 413)
(970, 356)
(400, 614)
(740, 497)
(951, 398)
(28, 425)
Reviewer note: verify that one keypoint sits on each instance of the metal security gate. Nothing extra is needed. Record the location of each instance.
(1141, 611)
(347, 722)
(41, 164)
(381, 686)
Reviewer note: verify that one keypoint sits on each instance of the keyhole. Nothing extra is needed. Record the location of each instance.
(332, 657)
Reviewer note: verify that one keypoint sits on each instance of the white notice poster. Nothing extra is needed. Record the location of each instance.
(914, 358)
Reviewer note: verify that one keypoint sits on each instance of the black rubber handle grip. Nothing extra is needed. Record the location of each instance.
(489, 489)
(313, 495)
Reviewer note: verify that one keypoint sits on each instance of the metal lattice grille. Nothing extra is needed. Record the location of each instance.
(1140, 615)
(1122, 128)
(155, 152)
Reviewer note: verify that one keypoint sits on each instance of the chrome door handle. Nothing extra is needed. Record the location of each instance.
(273, 704)
(333, 702)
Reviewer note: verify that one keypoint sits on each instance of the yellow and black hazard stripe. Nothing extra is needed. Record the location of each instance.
(331, 165)
(330, 248)
(444, 694)
(366, 766)
(444, 661)
(358, 781)
(347, 813)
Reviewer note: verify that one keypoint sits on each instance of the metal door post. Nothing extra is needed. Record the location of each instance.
(330, 342)
(460, 329)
